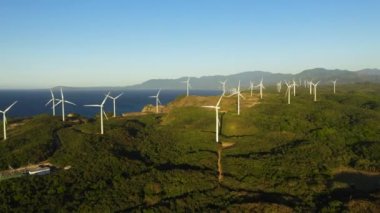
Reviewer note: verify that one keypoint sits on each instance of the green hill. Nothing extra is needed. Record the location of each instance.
(307, 156)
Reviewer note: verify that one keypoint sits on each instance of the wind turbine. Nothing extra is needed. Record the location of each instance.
(279, 85)
(261, 86)
(157, 99)
(334, 82)
(294, 87)
(217, 122)
(114, 103)
(62, 101)
(238, 94)
(188, 86)
(315, 90)
(101, 112)
(288, 90)
(251, 86)
(5, 119)
(223, 85)
(52, 101)
(310, 87)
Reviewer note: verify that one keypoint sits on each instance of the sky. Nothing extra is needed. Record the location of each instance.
(46, 43)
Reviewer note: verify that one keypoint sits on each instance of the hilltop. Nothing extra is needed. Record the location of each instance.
(212, 82)
(304, 157)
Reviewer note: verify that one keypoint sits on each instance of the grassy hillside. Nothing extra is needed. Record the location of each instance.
(307, 156)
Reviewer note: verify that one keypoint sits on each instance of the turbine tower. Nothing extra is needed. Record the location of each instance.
(279, 85)
(5, 119)
(52, 101)
(114, 103)
(238, 94)
(334, 82)
(217, 122)
(223, 85)
(315, 91)
(310, 87)
(188, 86)
(62, 101)
(288, 90)
(157, 99)
(251, 86)
(294, 87)
(101, 112)
(261, 86)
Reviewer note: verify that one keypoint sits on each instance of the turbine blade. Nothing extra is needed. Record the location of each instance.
(119, 96)
(70, 103)
(212, 107)
(60, 101)
(220, 99)
(105, 99)
(232, 94)
(52, 94)
(10, 106)
(92, 105)
(105, 115)
(62, 93)
(49, 102)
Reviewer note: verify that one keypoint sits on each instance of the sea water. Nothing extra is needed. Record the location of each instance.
(32, 102)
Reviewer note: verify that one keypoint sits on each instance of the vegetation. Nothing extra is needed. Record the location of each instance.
(307, 156)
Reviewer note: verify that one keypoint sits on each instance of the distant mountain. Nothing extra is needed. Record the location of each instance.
(212, 82)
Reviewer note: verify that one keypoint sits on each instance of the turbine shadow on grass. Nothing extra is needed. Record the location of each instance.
(280, 150)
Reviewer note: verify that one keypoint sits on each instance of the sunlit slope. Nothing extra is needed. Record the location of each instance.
(30, 141)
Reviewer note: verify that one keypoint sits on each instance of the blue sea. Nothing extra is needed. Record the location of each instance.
(32, 102)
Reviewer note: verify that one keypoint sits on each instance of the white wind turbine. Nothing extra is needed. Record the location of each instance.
(188, 86)
(334, 82)
(315, 90)
(310, 87)
(251, 86)
(294, 87)
(288, 90)
(52, 101)
(5, 119)
(223, 85)
(261, 86)
(279, 85)
(217, 122)
(62, 101)
(101, 112)
(114, 102)
(238, 94)
(158, 102)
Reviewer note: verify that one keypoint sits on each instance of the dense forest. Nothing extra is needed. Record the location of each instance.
(306, 156)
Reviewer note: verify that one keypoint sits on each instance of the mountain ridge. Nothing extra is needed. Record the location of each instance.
(212, 82)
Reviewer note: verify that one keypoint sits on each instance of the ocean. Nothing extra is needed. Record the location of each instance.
(32, 102)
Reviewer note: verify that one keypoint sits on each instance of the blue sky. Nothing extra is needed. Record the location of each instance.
(45, 43)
